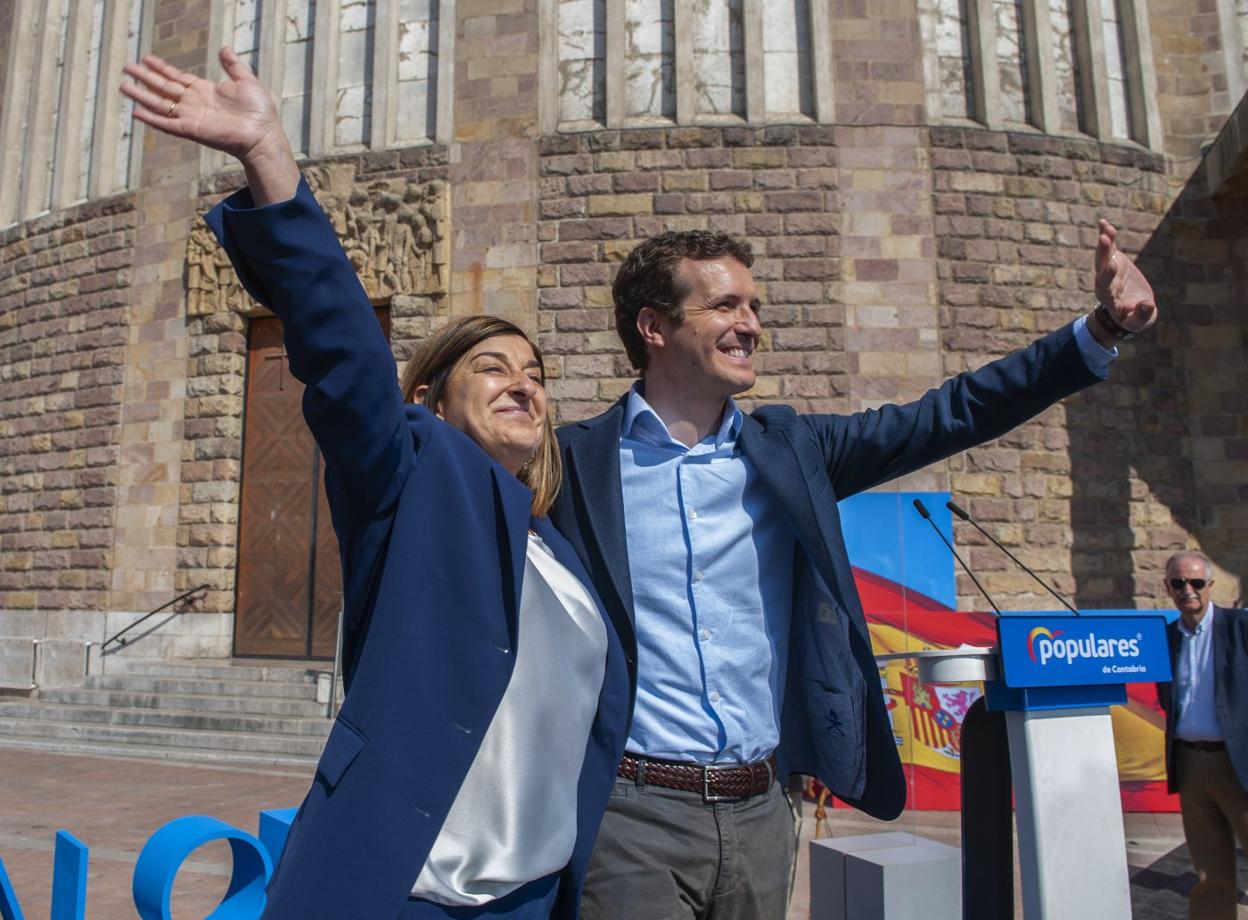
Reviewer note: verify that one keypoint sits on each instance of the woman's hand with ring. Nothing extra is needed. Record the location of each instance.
(234, 115)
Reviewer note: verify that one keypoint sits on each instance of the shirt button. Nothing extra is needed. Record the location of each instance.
(706, 634)
(714, 696)
(697, 576)
(693, 514)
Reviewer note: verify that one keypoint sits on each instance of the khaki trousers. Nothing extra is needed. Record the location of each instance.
(1215, 815)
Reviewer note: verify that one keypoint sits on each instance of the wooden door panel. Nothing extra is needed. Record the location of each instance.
(289, 572)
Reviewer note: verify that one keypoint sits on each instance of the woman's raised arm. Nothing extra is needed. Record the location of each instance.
(288, 258)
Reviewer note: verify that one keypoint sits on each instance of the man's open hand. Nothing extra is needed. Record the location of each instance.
(1120, 286)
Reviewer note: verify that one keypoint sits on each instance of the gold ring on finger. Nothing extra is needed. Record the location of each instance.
(173, 107)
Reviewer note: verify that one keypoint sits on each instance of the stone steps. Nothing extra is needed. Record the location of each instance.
(212, 670)
(202, 711)
(251, 705)
(167, 718)
(192, 741)
(143, 683)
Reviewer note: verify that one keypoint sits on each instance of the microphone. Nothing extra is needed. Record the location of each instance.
(926, 515)
(962, 513)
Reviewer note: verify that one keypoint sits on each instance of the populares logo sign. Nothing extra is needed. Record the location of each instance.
(1045, 645)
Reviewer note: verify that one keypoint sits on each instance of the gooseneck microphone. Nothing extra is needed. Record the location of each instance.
(965, 515)
(926, 515)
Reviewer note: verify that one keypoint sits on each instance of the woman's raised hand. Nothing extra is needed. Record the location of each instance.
(234, 115)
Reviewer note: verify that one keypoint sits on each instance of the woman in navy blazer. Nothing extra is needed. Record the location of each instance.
(439, 792)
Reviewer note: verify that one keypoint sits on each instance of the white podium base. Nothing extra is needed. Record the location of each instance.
(888, 876)
(1071, 845)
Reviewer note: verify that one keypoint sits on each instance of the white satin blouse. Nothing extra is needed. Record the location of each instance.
(514, 818)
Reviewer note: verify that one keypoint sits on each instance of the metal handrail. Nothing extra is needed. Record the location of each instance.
(116, 637)
(332, 711)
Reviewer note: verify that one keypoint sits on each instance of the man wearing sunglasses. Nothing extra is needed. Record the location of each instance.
(1206, 738)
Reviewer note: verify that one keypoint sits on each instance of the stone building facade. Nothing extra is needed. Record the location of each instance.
(920, 181)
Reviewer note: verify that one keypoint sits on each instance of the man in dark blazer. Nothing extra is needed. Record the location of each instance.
(1206, 707)
(714, 540)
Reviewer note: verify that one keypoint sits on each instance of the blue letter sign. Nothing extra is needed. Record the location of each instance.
(158, 864)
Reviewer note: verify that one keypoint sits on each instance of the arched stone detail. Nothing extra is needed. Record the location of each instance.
(394, 231)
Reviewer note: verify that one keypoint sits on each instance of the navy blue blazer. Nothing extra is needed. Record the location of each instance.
(433, 536)
(1230, 684)
(834, 724)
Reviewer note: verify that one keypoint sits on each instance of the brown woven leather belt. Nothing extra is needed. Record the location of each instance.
(715, 783)
(1203, 745)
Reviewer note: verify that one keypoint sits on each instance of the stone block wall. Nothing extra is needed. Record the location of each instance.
(64, 283)
(1191, 73)
(1083, 494)
(493, 167)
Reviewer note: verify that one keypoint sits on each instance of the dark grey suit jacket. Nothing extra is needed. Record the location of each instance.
(1230, 667)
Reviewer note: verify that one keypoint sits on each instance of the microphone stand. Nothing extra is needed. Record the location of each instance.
(926, 515)
(964, 515)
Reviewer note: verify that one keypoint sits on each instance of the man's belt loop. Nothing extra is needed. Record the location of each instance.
(640, 780)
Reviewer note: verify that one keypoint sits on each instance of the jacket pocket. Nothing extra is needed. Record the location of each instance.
(343, 746)
(836, 721)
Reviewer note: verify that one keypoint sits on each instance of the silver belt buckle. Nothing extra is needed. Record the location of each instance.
(706, 786)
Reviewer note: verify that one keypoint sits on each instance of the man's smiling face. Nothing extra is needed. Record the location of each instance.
(711, 352)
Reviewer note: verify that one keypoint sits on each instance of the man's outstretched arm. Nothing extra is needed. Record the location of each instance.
(872, 447)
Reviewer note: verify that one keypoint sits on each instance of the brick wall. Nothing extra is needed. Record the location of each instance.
(493, 166)
(1083, 493)
(1192, 88)
(63, 285)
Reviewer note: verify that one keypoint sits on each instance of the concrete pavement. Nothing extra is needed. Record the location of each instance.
(113, 805)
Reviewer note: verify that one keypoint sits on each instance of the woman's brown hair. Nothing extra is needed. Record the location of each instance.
(436, 359)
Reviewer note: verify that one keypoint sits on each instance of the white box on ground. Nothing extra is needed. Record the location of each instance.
(889, 876)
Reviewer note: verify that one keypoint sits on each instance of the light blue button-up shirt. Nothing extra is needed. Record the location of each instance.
(711, 560)
(1096, 356)
(1193, 683)
(711, 564)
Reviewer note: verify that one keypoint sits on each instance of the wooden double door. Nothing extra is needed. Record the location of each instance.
(289, 575)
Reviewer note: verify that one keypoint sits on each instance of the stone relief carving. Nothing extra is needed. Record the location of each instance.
(394, 232)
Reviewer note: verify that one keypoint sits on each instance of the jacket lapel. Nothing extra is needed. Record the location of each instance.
(594, 470)
(1223, 674)
(513, 500)
(563, 552)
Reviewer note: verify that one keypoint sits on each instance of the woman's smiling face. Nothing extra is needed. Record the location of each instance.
(495, 396)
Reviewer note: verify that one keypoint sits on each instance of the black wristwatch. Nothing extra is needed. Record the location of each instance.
(1117, 331)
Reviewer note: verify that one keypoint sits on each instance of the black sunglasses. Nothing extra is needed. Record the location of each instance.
(1197, 583)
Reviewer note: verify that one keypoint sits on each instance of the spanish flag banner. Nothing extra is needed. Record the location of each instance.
(927, 718)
